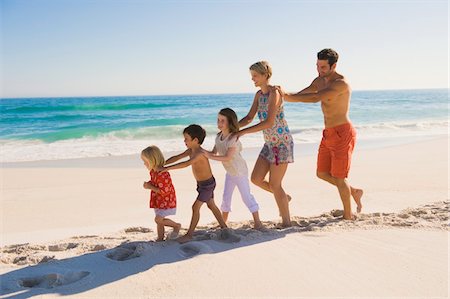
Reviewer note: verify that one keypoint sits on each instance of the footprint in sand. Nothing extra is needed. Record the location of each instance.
(126, 251)
(52, 280)
(138, 229)
(228, 236)
(62, 247)
(192, 249)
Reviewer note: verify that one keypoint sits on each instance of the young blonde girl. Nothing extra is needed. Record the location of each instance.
(162, 198)
(228, 149)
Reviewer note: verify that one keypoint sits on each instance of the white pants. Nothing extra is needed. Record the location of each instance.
(244, 188)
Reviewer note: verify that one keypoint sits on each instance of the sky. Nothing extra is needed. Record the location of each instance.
(110, 48)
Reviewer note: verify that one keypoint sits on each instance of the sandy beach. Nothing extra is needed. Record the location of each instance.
(83, 229)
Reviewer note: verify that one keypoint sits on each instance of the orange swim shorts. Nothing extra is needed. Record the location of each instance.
(335, 150)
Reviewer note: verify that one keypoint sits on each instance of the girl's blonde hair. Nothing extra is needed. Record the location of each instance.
(233, 123)
(263, 68)
(154, 156)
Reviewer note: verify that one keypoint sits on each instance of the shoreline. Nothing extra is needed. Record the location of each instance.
(249, 153)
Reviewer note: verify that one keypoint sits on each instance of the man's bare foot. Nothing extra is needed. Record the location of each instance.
(357, 194)
(184, 239)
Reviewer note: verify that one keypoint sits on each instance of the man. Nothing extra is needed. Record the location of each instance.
(339, 136)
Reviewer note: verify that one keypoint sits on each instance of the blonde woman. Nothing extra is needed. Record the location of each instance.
(278, 149)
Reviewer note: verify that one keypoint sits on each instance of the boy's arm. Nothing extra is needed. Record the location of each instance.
(251, 114)
(177, 157)
(181, 164)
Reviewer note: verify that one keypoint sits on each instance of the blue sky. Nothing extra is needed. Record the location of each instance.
(89, 48)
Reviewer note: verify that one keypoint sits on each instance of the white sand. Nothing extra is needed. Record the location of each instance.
(388, 252)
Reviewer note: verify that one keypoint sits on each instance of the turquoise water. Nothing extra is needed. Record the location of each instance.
(55, 128)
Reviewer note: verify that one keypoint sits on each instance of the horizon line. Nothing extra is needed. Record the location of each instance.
(197, 94)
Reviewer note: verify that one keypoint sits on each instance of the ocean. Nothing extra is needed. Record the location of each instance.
(33, 129)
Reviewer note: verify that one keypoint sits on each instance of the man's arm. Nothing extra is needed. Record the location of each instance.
(335, 89)
(251, 114)
(177, 157)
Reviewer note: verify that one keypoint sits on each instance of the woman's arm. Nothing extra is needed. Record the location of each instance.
(251, 114)
(274, 99)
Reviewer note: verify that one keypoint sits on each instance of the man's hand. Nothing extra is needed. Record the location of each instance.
(280, 90)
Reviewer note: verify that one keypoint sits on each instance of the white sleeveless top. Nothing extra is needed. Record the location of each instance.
(237, 165)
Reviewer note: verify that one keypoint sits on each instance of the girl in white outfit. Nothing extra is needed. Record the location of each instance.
(228, 150)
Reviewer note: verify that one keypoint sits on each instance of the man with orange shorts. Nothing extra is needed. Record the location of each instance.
(339, 135)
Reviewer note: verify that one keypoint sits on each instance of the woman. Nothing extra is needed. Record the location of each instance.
(278, 149)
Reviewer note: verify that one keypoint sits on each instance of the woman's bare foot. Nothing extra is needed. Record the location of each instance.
(184, 239)
(357, 194)
(351, 218)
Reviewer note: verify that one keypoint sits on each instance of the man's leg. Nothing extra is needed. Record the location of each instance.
(356, 193)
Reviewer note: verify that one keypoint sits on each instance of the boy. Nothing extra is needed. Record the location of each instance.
(194, 135)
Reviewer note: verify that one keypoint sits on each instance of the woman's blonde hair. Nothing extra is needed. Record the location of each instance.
(263, 68)
(154, 156)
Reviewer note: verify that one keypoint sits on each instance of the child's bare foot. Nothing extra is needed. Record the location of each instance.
(357, 194)
(184, 239)
(175, 232)
(258, 226)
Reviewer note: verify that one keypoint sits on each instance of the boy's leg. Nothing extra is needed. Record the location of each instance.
(212, 206)
(194, 221)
